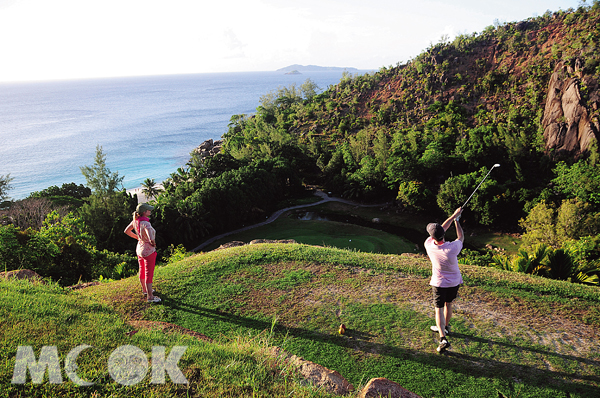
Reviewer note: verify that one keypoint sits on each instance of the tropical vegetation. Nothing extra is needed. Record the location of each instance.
(420, 135)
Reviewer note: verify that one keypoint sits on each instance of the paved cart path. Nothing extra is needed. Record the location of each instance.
(324, 198)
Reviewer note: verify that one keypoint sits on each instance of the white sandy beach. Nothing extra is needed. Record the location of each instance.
(141, 197)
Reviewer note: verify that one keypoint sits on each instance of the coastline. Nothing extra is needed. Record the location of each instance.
(173, 113)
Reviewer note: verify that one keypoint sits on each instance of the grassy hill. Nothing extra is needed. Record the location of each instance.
(513, 334)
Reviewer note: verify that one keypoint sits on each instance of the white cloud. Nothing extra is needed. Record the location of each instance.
(7, 3)
(234, 48)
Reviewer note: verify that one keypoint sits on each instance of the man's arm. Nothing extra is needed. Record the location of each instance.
(448, 222)
(459, 231)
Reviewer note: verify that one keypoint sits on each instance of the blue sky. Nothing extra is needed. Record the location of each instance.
(72, 39)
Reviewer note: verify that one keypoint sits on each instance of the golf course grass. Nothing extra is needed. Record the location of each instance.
(384, 300)
(354, 229)
(324, 233)
(513, 334)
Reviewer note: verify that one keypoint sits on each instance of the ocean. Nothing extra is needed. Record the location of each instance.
(147, 126)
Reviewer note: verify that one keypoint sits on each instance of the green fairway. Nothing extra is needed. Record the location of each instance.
(324, 233)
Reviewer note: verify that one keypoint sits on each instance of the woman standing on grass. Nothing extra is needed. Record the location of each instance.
(141, 230)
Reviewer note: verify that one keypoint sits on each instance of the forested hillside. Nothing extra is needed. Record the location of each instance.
(524, 95)
(421, 135)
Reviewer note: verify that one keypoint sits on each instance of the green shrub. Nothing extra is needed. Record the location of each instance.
(62, 250)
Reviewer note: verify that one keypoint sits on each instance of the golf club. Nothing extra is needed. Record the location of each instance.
(496, 165)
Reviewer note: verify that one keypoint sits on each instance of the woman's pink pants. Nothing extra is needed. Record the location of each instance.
(147, 267)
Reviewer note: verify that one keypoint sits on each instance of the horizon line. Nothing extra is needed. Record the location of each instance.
(70, 79)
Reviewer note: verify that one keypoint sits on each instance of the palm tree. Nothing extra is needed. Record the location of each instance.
(587, 274)
(149, 188)
(562, 266)
(525, 262)
(551, 263)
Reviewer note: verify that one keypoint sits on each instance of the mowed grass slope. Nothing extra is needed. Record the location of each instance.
(513, 334)
(38, 315)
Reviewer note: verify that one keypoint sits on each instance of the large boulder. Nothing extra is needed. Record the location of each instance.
(208, 148)
(568, 127)
(21, 274)
(259, 241)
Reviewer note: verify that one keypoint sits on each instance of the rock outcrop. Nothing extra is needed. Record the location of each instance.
(381, 387)
(208, 148)
(236, 243)
(568, 127)
(315, 374)
(22, 274)
(335, 383)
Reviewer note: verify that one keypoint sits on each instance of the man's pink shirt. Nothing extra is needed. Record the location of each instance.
(444, 263)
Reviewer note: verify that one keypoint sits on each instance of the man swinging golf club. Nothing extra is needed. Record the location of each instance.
(445, 274)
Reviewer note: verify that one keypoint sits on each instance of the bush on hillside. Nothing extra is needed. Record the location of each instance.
(63, 249)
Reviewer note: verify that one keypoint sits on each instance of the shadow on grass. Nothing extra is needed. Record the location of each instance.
(454, 362)
(587, 361)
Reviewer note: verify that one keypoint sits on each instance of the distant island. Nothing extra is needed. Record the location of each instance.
(298, 69)
(293, 72)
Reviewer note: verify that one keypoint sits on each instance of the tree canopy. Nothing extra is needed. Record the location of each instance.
(99, 177)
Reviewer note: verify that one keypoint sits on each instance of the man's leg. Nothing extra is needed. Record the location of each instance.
(440, 320)
(452, 293)
(447, 313)
(439, 304)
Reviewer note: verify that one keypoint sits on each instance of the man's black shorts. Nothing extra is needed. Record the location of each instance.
(443, 295)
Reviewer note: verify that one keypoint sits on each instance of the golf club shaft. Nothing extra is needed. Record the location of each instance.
(488, 173)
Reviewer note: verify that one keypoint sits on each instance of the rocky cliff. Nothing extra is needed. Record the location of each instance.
(568, 126)
(537, 78)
